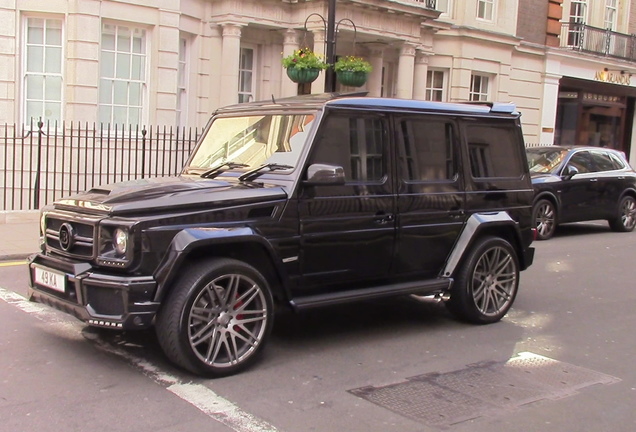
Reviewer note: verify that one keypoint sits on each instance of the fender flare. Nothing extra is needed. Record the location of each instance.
(191, 239)
(476, 223)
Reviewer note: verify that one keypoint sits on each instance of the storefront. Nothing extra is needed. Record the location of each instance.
(596, 113)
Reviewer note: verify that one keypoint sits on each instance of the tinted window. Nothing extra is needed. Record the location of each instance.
(494, 151)
(354, 142)
(426, 148)
(582, 160)
(603, 161)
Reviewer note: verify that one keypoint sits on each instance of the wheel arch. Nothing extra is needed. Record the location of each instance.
(498, 224)
(191, 245)
(549, 196)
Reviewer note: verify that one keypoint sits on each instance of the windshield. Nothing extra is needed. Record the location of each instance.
(253, 141)
(545, 160)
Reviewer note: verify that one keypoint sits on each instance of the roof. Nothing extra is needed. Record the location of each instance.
(358, 100)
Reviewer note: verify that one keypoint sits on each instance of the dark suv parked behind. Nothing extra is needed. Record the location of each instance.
(300, 202)
(575, 184)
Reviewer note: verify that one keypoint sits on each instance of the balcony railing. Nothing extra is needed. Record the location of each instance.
(596, 40)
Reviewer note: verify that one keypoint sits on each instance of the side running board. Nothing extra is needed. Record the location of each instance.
(417, 287)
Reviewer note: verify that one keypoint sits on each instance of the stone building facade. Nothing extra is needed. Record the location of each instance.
(173, 62)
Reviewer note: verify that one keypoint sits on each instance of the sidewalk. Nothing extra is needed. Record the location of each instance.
(19, 234)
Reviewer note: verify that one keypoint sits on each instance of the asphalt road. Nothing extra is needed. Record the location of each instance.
(383, 366)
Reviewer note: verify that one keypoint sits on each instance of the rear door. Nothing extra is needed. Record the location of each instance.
(431, 208)
(348, 231)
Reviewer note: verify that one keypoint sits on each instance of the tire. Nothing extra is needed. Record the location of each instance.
(544, 217)
(217, 318)
(625, 219)
(487, 284)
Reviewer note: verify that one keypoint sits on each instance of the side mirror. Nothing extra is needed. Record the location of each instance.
(325, 175)
(570, 171)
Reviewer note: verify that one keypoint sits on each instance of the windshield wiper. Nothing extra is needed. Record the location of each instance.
(256, 172)
(215, 171)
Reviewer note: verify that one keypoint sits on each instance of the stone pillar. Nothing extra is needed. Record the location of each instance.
(549, 108)
(291, 40)
(421, 70)
(406, 67)
(376, 58)
(318, 86)
(230, 57)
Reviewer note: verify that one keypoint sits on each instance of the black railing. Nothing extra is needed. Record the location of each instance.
(47, 161)
(596, 40)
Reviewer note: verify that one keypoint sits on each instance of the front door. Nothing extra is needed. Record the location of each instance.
(348, 231)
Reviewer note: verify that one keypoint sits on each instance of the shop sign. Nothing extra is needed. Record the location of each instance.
(613, 77)
(601, 98)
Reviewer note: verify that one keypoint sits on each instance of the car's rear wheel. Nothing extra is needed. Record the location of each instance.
(217, 318)
(486, 285)
(625, 219)
(544, 216)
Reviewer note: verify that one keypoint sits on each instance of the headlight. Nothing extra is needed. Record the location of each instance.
(120, 241)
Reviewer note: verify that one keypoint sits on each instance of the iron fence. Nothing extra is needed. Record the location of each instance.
(46, 161)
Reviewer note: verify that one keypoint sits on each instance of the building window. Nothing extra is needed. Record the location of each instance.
(485, 9)
(444, 6)
(246, 75)
(182, 83)
(479, 88)
(123, 74)
(435, 85)
(578, 11)
(43, 70)
(611, 12)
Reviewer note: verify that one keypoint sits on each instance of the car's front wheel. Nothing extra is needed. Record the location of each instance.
(625, 219)
(544, 216)
(217, 318)
(486, 285)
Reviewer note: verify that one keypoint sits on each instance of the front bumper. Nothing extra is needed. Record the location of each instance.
(99, 299)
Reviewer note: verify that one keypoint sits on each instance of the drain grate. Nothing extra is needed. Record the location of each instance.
(482, 389)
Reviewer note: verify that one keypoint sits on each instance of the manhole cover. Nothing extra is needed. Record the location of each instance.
(482, 389)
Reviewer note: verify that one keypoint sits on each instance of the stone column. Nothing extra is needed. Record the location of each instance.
(406, 67)
(230, 57)
(376, 58)
(318, 86)
(421, 70)
(291, 41)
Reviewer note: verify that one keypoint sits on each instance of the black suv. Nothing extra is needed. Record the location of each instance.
(574, 184)
(300, 202)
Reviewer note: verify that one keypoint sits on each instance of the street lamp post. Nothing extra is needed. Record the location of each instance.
(330, 74)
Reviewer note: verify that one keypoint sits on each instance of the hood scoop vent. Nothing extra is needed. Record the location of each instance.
(99, 191)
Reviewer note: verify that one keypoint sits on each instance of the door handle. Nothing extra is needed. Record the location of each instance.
(456, 213)
(594, 180)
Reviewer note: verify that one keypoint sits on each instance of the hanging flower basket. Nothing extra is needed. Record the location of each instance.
(352, 79)
(304, 65)
(352, 71)
(301, 76)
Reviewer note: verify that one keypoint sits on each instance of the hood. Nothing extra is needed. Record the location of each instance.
(154, 194)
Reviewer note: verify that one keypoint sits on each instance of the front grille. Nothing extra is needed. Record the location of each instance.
(70, 237)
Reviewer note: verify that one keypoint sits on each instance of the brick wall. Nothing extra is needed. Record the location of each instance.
(532, 22)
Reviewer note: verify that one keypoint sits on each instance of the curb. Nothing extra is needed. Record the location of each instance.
(15, 257)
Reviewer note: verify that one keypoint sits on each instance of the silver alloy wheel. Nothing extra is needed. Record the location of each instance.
(545, 219)
(628, 214)
(494, 281)
(227, 320)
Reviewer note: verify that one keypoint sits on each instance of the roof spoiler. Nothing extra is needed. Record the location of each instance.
(497, 107)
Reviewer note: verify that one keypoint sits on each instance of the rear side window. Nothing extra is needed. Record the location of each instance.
(355, 142)
(604, 161)
(426, 149)
(494, 151)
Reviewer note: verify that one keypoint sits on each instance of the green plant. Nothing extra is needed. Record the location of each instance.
(304, 58)
(352, 64)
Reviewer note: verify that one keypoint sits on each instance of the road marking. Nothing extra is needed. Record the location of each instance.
(197, 395)
(12, 263)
